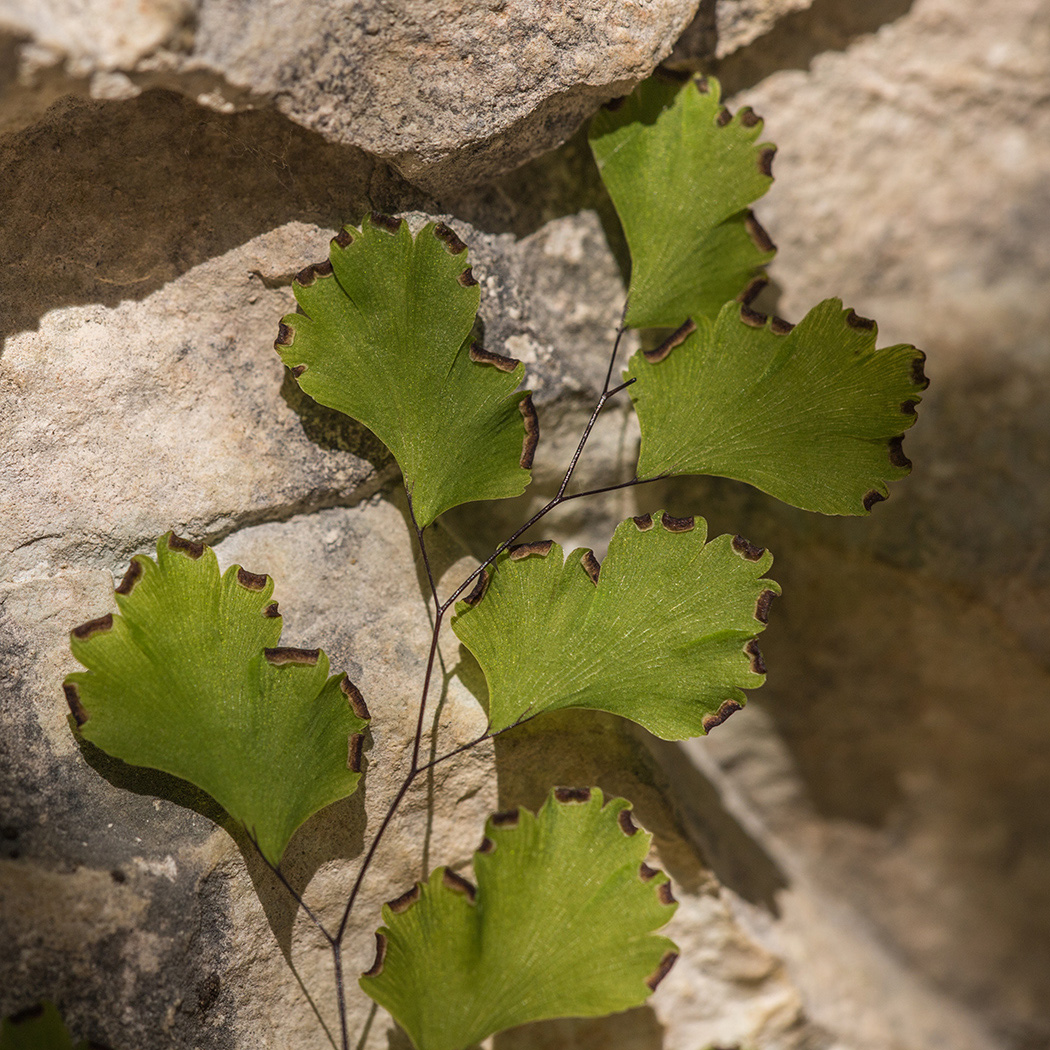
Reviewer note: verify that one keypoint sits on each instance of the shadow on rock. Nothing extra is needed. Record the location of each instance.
(107, 201)
(797, 39)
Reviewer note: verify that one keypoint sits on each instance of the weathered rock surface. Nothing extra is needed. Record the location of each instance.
(448, 92)
(895, 754)
(876, 818)
(170, 409)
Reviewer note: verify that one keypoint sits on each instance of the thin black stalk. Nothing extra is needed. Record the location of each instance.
(560, 497)
(613, 488)
(422, 548)
(415, 768)
(340, 996)
(293, 891)
(487, 735)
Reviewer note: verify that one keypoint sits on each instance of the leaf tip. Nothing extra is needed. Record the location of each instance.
(467, 278)
(765, 160)
(752, 318)
(343, 239)
(355, 746)
(676, 338)
(918, 373)
(570, 795)
(746, 549)
(661, 971)
(897, 456)
(271, 612)
(672, 524)
(643, 522)
(729, 707)
(191, 548)
(865, 324)
(532, 431)
(506, 818)
(479, 590)
(754, 287)
(449, 238)
(131, 577)
(541, 548)
(626, 822)
(591, 566)
(86, 630)
(356, 700)
(308, 275)
(399, 905)
(451, 881)
(284, 654)
(251, 581)
(480, 356)
(754, 654)
(389, 223)
(76, 708)
(748, 117)
(377, 966)
(285, 336)
(723, 117)
(873, 497)
(757, 232)
(765, 599)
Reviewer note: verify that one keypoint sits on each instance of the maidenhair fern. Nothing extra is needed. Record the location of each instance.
(190, 677)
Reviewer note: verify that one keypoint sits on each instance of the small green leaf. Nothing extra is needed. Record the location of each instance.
(682, 175)
(38, 1028)
(191, 679)
(560, 926)
(385, 338)
(813, 415)
(663, 633)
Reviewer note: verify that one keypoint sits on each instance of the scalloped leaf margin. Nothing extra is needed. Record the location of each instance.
(385, 336)
(190, 678)
(560, 925)
(662, 632)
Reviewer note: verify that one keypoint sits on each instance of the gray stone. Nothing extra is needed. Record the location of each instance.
(447, 92)
(894, 753)
(861, 854)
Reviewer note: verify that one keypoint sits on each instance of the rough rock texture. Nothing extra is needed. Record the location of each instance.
(862, 854)
(170, 409)
(898, 752)
(447, 91)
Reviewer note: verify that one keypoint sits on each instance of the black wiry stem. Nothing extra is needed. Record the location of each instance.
(560, 498)
(440, 609)
(340, 995)
(291, 890)
(487, 735)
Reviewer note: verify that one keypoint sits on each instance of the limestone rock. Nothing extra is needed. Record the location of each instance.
(448, 92)
(909, 674)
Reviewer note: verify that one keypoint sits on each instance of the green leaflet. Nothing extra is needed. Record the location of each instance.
(385, 338)
(191, 679)
(682, 175)
(560, 926)
(814, 417)
(664, 637)
(38, 1028)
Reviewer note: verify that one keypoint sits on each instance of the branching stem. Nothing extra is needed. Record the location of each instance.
(440, 609)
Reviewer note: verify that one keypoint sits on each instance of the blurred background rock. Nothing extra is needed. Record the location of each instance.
(863, 853)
